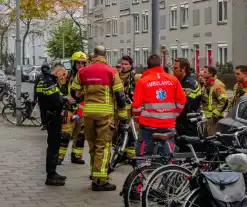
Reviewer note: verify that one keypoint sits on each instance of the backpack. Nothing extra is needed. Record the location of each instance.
(224, 189)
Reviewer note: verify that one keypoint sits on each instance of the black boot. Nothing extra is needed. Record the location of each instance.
(76, 160)
(54, 180)
(61, 177)
(105, 187)
(59, 162)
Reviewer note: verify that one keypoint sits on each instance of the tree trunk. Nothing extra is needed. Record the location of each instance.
(1, 49)
(80, 31)
(24, 40)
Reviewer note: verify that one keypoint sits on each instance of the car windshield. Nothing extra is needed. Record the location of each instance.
(67, 65)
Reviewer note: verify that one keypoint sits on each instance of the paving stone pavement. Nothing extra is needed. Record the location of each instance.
(22, 174)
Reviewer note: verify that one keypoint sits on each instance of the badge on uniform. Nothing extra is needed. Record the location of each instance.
(160, 94)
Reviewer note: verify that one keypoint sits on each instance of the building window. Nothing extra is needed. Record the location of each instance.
(107, 2)
(145, 56)
(137, 56)
(114, 58)
(145, 21)
(184, 15)
(121, 52)
(196, 17)
(128, 26)
(108, 56)
(135, 1)
(129, 52)
(114, 1)
(137, 23)
(173, 17)
(114, 26)
(162, 22)
(90, 32)
(185, 51)
(174, 53)
(208, 15)
(222, 53)
(222, 10)
(108, 27)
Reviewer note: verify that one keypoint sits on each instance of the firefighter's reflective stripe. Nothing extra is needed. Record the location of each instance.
(107, 95)
(128, 107)
(104, 166)
(167, 115)
(117, 87)
(62, 152)
(99, 108)
(122, 113)
(77, 150)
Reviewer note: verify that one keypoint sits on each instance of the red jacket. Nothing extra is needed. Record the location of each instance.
(158, 99)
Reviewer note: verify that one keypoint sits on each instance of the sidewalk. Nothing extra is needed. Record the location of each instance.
(22, 174)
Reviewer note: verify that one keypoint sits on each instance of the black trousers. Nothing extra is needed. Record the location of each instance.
(54, 129)
(43, 116)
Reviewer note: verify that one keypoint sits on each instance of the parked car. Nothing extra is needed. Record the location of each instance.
(35, 72)
(236, 118)
(26, 69)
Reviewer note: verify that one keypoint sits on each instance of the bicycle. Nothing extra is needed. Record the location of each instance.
(28, 111)
(166, 175)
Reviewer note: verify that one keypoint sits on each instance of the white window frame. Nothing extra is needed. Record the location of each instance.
(224, 19)
(184, 7)
(129, 50)
(121, 52)
(107, 2)
(114, 25)
(137, 23)
(90, 34)
(108, 27)
(145, 57)
(108, 56)
(137, 50)
(114, 1)
(135, 1)
(174, 48)
(173, 23)
(207, 49)
(221, 48)
(145, 21)
(184, 50)
(114, 58)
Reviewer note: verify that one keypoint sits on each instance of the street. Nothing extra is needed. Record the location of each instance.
(22, 173)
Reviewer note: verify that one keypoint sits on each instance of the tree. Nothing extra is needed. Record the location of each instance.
(75, 13)
(33, 10)
(5, 23)
(65, 39)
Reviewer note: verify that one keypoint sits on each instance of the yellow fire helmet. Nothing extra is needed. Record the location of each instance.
(78, 56)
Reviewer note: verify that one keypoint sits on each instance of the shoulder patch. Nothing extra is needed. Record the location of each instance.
(219, 90)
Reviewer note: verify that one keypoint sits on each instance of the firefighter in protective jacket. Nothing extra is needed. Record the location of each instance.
(101, 85)
(214, 100)
(129, 78)
(73, 123)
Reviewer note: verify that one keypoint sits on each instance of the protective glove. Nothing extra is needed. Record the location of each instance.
(65, 117)
(76, 118)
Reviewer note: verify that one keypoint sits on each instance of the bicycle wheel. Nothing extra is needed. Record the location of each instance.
(9, 114)
(4, 98)
(194, 199)
(134, 182)
(166, 186)
(116, 156)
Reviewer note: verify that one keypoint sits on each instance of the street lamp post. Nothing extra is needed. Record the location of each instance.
(155, 27)
(18, 64)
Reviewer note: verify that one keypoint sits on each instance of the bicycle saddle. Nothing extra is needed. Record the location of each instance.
(190, 139)
(163, 136)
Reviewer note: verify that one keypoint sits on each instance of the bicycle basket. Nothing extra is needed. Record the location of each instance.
(36, 111)
(237, 162)
(226, 189)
